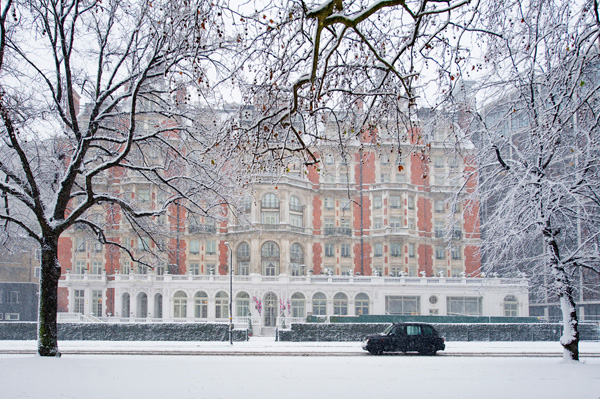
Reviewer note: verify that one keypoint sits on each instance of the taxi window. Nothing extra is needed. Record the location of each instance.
(427, 330)
(413, 330)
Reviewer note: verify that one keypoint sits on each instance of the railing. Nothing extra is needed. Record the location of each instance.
(338, 231)
(286, 279)
(202, 228)
(65, 317)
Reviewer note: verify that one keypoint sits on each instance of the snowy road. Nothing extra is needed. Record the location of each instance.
(266, 377)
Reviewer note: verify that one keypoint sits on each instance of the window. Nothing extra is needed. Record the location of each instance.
(246, 204)
(439, 229)
(328, 203)
(438, 162)
(440, 252)
(403, 305)
(297, 260)
(361, 304)
(12, 316)
(270, 201)
(377, 202)
(456, 253)
(242, 305)
(385, 177)
(411, 250)
(377, 224)
(340, 304)
(319, 304)
(243, 258)
(200, 305)
(97, 303)
(439, 206)
(13, 297)
(395, 249)
(298, 305)
(270, 258)
(222, 305)
(395, 223)
(271, 218)
(329, 160)
(411, 202)
(143, 243)
(329, 223)
(96, 267)
(296, 220)
(80, 245)
(329, 250)
(395, 202)
(194, 247)
(211, 247)
(396, 271)
(143, 195)
(411, 224)
(378, 249)
(385, 159)
(463, 306)
(511, 306)
(180, 305)
(345, 250)
(79, 301)
(195, 268)
(211, 268)
(79, 267)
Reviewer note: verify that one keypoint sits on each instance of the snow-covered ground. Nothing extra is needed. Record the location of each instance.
(208, 376)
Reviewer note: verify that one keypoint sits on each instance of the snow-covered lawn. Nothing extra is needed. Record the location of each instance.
(369, 377)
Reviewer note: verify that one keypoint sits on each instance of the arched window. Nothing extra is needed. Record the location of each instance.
(270, 201)
(222, 305)
(270, 259)
(297, 260)
(298, 305)
(511, 306)
(319, 304)
(243, 259)
(158, 306)
(142, 305)
(340, 304)
(200, 305)
(180, 305)
(242, 304)
(125, 305)
(296, 212)
(361, 304)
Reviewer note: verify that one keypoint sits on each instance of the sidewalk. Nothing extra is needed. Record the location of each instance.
(268, 346)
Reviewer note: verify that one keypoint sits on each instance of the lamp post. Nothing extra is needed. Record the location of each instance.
(230, 292)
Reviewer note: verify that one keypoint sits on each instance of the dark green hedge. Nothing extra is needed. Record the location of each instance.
(125, 332)
(452, 332)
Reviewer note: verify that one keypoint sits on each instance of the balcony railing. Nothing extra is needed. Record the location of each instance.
(338, 231)
(202, 228)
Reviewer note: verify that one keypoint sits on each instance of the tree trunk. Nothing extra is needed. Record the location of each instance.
(48, 305)
(564, 289)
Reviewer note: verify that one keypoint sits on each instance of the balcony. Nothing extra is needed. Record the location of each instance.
(202, 229)
(338, 231)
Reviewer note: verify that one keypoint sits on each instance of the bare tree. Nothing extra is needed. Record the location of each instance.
(537, 132)
(355, 65)
(129, 61)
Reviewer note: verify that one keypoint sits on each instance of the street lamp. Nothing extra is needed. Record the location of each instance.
(230, 293)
